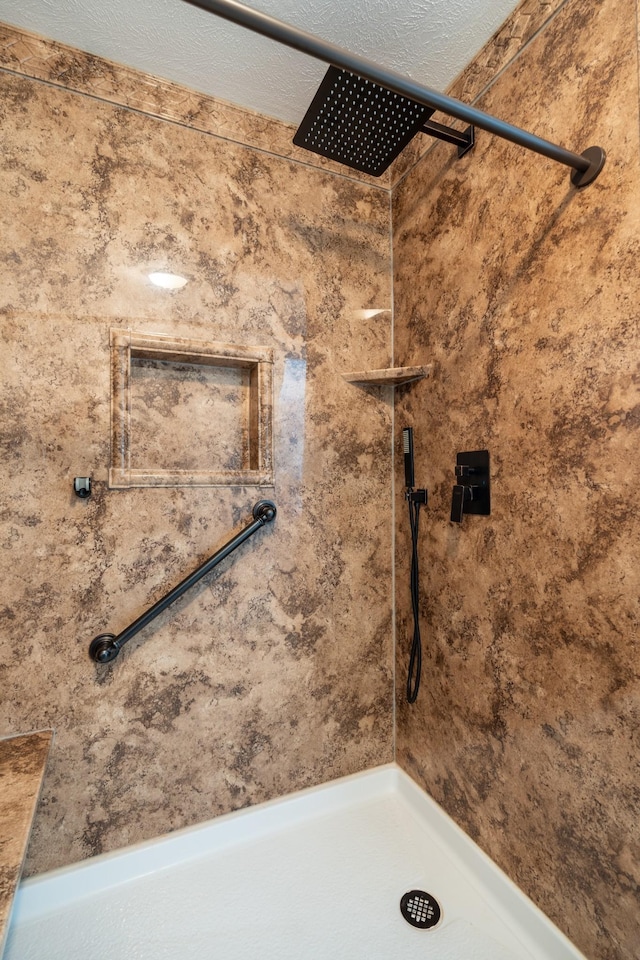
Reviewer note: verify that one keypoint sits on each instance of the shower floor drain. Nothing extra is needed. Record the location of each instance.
(420, 909)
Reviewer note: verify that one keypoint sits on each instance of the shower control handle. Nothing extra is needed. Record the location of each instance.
(461, 495)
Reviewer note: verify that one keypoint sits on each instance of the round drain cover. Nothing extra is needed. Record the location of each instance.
(420, 909)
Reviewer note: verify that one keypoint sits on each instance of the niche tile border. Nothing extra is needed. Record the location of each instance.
(126, 346)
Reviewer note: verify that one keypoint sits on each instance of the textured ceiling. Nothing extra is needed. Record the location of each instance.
(428, 40)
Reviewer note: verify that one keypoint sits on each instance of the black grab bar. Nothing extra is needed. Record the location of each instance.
(107, 646)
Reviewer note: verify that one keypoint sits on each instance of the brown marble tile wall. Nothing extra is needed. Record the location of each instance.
(527, 19)
(524, 293)
(275, 672)
(30, 55)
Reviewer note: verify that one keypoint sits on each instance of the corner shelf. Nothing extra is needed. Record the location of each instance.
(388, 377)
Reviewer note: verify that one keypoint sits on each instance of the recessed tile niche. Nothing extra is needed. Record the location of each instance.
(189, 413)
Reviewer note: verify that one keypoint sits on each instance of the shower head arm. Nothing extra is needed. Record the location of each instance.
(586, 166)
(464, 140)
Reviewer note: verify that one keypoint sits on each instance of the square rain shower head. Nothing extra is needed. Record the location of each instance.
(359, 123)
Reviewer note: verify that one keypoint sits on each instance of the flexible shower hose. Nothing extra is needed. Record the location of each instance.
(415, 660)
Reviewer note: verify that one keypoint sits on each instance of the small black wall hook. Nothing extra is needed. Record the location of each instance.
(82, 487)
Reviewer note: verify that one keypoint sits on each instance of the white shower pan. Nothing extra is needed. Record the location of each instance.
(317, 875)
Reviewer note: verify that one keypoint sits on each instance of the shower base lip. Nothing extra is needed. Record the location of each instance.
(352, 809)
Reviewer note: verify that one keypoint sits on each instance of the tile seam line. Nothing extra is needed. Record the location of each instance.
(394, 632)
(186, 126)
(638, 54)
(543, 26)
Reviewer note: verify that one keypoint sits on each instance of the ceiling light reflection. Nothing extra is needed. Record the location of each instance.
(168, 281)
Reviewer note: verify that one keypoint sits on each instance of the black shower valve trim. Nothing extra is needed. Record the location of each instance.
(472, 492)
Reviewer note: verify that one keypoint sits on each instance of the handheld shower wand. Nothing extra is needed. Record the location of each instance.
(415, 498)
(407, 444)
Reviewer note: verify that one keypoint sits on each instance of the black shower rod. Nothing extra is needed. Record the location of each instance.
(586, 166)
